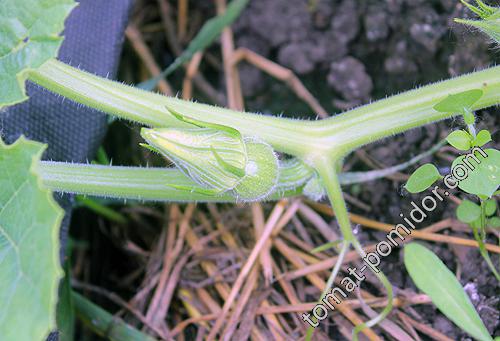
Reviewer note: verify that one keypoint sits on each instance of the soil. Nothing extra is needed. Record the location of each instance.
(347, 53)
(359, 51)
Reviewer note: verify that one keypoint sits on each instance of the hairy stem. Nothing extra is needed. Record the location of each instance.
(337, 135)
(152, 183)
(136, 183)
(326, 169)
(405, 111)
(152, 109)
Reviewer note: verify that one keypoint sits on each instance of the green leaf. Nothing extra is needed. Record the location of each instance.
(494, 222)
(460, 139)
(457, 103)
(208, 33)
(422, 178)
(482, 138)
(29, 36)
(468, 212)
(432, 277)
(29, 245)
(484, 179)
(490, 206)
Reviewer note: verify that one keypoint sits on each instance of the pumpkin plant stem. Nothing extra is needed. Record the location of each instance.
(326, 168)
(339, 134)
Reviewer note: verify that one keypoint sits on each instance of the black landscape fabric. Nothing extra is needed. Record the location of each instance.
(94, 37)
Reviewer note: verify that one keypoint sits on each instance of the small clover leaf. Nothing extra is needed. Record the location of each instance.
(482, 138)
(460, 139)
(482, 172)
(29, 36)
(494, 222)
(468, 212)
(490, 206)
(422, 178)
(459, 103)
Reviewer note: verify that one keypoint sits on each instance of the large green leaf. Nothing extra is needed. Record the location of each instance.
(29, 245)
(29, 36)
(432, 277)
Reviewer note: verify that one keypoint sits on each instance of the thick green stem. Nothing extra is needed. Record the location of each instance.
(408, 110)
(326, 169)
(151, 109)
(152, 183)
(135, 183)
(337, 135)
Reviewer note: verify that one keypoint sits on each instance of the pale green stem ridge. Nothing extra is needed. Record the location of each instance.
(405, 111)
(337, 135)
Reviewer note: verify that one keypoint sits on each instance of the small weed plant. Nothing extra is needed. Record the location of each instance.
(220, 155)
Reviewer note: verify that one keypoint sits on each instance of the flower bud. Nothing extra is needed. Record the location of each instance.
(213, 158)
(219, 159)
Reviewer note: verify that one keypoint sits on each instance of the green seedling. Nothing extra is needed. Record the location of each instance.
(480, 169)
(221, 155)
(423, 178)
(433, 277)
